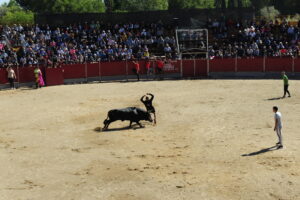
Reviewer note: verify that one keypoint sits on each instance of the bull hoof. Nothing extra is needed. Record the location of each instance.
(98, 129)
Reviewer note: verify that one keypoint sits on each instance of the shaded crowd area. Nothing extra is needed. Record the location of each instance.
(26, 45)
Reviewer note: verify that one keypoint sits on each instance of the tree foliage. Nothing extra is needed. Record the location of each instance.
(258, 4)
(269, 12)
(220, 4)
(183, 4)
(81, 6)
(287, 5)
(63, 6)
(12, 13)
(140, 5)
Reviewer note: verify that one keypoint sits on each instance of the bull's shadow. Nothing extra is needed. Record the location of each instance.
(273, 148)
(133, 127)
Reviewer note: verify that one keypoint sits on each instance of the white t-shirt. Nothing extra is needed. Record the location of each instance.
(278, 118)
(11, 73)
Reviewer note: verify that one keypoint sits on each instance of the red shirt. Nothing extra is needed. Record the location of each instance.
(148, 64)
(137, 66)
(283, 51)
(160, 64)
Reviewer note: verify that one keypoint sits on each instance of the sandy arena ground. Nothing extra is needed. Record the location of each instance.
(50, 149)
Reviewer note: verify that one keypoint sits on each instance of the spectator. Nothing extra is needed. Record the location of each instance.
(11, 75)
(253, 39)
(29, 45)
(79, 43)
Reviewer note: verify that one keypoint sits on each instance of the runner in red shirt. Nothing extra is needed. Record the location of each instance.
(160, 65)
(148, 68)
(136, 69)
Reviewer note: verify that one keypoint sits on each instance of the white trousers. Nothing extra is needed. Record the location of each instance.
(278, 131)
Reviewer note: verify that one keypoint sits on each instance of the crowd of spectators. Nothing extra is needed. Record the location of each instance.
(93, 42)
(88, 42)
(254, 38)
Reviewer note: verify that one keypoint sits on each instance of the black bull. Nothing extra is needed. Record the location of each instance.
(131, 114)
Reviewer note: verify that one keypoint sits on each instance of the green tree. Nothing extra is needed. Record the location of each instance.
(18, 17)
(178, 4)
(220, 4)
(231, 4)
(269, 12)
(258, 4)
(293, 5)
(109, 4)
(141, 5)
(238, 3)
(113, 5)
(63, 6)
(12, 13)
(183, 4)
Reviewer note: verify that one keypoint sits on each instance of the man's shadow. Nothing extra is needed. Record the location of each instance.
(274, 99)
(273, 148)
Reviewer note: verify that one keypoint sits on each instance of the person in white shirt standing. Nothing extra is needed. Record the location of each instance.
(11, 75)
(278, 126)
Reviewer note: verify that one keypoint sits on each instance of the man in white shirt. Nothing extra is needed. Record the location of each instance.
(278, 126)
(11, 75)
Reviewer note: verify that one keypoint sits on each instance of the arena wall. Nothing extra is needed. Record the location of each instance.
(197, 68)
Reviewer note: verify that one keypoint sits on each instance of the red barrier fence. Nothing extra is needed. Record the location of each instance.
(3, 76)
(74, 71)
(54, 76)
(113, 69)
(222, 65)
(93, 70)
(187, 68)
(297, 65)
(26, 74)
(201, 68)
(250, 65)
(279, 64)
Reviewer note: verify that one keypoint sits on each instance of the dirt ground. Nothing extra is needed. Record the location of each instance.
(211, 142)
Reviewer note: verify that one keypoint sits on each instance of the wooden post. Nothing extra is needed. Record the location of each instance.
(293, 65)
(236, 66)
(126, 70)
(264, 64)
(194, 67)
(181, 68)
(207, 65)
(99, 66)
